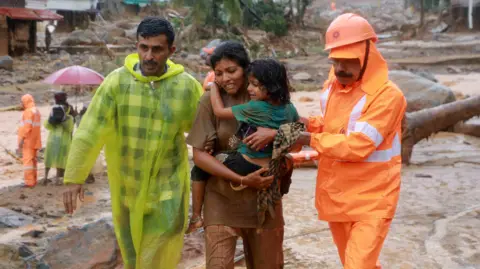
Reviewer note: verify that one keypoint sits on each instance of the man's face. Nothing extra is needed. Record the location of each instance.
(347, 71)
(154, 53)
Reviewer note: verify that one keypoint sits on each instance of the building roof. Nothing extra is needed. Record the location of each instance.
(29, 14)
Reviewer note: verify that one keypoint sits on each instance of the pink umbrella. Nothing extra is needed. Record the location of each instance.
(75, 75)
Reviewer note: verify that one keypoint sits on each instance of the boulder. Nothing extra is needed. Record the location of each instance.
(91, 246)
(82, 37)
(122, 41)
(302, 76)
(12, 256)
(12, 219)
(110, 34)
(420, 92)
(6, 62)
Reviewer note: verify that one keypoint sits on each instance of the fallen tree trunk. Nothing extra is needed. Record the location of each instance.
(467, 128)
(422, 124)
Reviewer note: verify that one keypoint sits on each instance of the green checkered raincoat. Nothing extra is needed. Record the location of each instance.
(141, 121)
(58, 143)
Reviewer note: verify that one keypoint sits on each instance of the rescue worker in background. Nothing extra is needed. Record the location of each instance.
(140, 113)
(358, 138)
(60, 126)
(29, 139)
(210, 78)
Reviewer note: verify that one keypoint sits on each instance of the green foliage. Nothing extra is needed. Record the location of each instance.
(276, 24)
(272, 17)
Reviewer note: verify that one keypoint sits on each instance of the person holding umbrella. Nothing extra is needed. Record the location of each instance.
(140, 114)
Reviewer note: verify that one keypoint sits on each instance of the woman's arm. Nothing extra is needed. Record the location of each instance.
(217, 104)
(214, 167)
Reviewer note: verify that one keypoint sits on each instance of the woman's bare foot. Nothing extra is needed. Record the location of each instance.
(195, 224)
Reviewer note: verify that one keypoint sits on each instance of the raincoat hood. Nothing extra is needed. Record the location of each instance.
(133, 59)
(28, 101)
(376, 71)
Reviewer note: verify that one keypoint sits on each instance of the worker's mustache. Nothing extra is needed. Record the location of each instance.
(343, 74)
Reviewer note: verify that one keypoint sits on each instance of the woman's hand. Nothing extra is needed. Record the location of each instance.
(209, 146)
(261, 138)
(257, 181)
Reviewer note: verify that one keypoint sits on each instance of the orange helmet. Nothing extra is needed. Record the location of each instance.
(348, 29)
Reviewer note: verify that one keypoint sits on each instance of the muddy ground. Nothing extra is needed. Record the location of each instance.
(436, 225)
(438, 217)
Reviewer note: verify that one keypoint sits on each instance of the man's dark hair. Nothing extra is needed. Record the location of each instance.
(231, 50)
(155, 26)
(272, 75)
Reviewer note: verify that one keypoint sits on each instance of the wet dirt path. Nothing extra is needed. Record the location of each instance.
(436, 225)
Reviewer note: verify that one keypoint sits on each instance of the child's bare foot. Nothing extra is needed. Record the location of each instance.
(195, 224)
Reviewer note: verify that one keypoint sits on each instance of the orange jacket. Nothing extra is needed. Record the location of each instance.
(29, 129)
(358, 138)
(210, 78)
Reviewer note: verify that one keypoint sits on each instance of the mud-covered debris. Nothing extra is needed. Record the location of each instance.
(12, 219)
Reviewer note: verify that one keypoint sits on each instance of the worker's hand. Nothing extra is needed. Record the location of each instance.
(303, 140)
(70, 195)
(257, 181)
(304, 120)
(261, 138)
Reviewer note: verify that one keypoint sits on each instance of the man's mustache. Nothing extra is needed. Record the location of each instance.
(343, 74)
(149, 62)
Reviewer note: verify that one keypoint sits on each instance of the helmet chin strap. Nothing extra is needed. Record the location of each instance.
(365, 61)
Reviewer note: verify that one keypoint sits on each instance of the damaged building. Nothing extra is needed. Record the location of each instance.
(18, 29)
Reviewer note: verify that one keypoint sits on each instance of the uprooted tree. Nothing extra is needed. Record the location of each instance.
(423, 123)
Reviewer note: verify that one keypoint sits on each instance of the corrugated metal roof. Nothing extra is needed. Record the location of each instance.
(29, 14)
(75, 5)
(36, 4)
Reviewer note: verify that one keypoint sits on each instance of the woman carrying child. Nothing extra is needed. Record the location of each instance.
(231, 180)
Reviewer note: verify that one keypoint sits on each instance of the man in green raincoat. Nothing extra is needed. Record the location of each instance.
(140, 113)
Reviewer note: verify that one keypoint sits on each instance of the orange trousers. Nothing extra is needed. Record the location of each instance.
(359, 243)
(30, 166)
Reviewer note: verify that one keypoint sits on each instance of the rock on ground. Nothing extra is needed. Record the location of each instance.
(302, 76)
(11, 256)
(92, 246)
(6, 62)
(12, 219)
(420, 92)
(81, 37)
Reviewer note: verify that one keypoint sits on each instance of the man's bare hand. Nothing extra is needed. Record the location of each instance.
(70, 195)
(257, 181)
(261, 138)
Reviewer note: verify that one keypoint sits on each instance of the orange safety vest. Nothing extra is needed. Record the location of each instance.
(358, 138)
(30, 124)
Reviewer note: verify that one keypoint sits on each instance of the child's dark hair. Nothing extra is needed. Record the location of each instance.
(231, 50)
(155, 26)
(273, 77)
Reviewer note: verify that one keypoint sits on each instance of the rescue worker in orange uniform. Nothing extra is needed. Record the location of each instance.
(210, 78)
(358, 140)
(29, 139)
